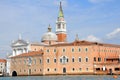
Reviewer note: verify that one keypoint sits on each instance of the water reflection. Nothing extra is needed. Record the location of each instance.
(66, 77)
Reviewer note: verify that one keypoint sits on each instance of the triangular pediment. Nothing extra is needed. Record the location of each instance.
(20, 43)
(17, 44)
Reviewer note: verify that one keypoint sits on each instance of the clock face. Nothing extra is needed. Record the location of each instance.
(29, 61)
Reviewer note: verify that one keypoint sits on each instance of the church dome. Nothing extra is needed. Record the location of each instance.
(49, 36)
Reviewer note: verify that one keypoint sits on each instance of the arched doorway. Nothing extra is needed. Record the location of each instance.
(64, 70)
(14, 73)
(29, 72)
(110, 72)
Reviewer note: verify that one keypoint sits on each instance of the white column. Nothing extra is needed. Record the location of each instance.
(13, 53)
(23, 50)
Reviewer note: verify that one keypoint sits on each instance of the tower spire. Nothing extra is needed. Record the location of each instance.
(61, 26)
(61, 11)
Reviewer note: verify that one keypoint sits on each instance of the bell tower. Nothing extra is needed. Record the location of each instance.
(61, 26)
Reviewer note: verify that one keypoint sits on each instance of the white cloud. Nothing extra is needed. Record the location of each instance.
(93, 38)
(114, 34)
(99, 1)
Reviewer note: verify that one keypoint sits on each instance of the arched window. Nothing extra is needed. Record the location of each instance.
(79, 50)
(63, 50)
(73, 60)
(72, 49)
(40, 61)
(29, 60)
(59, 26)
(55, 60)
(48, 60)
(99, 59)
(86, 49)
(79, 59)
(63, 59)
(48, 69)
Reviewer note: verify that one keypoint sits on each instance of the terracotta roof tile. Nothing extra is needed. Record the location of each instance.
(3, 60)
(33, 53)
(83, 42)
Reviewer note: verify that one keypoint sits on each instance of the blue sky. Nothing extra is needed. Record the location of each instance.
(93, 20)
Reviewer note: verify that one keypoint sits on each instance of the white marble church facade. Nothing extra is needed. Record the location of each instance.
(20, 46)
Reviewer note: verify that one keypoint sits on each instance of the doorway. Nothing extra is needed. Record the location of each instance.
(14, 73)
(110, 71)
(64, 70)
(29, 72)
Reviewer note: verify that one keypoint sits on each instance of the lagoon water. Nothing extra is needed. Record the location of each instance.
(62, 77)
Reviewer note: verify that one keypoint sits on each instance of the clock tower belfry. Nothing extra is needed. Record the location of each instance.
(61, 26)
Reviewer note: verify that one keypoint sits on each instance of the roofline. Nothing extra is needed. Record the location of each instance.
(85, 43)
(29, 54)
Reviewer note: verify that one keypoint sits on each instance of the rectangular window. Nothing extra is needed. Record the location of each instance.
(86, 59)
(73, 69)
(61, 60)
(48, 69)
(117, 69)
(79, 59)
(54, 60)
(72, 49)
(97, 69)
(63, 50)
(48, 60)
(48, 50)
(54, 50)
(73, 60)
(40, 61)
(67, 60)
(86, 49)
(55, 69)
(99, 59)
(79, 49)
(95, 59)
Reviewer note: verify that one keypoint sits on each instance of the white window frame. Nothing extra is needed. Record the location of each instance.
(86, 59)
(79, 59)
(64, 59)
(47, 60)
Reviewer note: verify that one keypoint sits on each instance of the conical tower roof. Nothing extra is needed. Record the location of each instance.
(61, 11)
